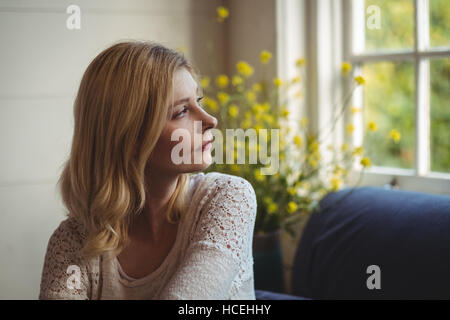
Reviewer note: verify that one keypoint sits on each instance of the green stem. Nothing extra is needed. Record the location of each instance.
(341, 112)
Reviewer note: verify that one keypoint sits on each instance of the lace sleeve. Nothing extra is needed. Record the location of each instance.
(64, 274)
(220, 249)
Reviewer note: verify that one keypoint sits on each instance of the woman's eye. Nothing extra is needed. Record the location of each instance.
(180, 113)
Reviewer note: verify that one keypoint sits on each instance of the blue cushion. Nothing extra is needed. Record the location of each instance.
(406, 234)
(269, 295)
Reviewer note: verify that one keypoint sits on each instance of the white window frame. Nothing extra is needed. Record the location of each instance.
(319, 30)
(420, 178)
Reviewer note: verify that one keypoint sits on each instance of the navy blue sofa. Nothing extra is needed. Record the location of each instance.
(374, 243)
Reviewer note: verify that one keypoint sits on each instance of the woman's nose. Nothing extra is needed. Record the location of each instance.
(208, 121)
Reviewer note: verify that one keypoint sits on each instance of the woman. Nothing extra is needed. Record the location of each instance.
(140, 226)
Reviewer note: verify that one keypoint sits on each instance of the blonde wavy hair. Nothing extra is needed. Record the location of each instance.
(119, 113)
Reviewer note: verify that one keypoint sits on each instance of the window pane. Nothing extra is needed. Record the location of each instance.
(439, 23)
(396, 27)
(389, 104)
(440, 115)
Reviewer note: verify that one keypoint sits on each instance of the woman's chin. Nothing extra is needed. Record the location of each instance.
(204, 162)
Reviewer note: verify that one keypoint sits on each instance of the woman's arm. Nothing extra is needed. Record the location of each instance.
(221, 246)
(64, 274)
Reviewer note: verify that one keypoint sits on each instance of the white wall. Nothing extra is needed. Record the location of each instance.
(251, 28)
(41, 64)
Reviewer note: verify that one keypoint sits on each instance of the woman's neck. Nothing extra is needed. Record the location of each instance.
(152, 222)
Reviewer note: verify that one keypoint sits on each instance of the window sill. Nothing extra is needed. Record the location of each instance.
(433, 182)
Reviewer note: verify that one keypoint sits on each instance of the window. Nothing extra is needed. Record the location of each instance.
(402, 48)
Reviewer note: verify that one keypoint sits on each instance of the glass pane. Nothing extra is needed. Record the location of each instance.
(389, 24)
(439, 23)
(389, 105)
(440, 115)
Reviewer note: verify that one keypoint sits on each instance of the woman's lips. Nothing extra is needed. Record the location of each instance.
(206, 145)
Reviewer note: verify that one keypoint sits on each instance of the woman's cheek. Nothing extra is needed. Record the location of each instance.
(179, 138)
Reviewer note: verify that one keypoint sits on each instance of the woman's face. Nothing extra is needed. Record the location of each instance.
(189, 126)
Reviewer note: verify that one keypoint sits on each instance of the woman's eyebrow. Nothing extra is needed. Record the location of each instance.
(181, 101)
(184, 99)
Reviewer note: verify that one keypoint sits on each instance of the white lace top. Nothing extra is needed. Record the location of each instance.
(210, 259)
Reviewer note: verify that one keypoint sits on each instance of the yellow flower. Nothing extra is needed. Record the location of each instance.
(222, 13)
(284, 112)
(338, 170)
(311, 161)
(272, 208)
(344, 146)
(223, 97)
(335, 183)
(300, 62)
(204, 83)
(236, 80)
(265, 56)
(233, 110)
(258, 176)
(247, 123)
(354, 109)
(267, 200)
(257, 87)
(372, 126)
(244, 68)
(268, 118)
(298, 140)
(358, 151)
(350, 128)
(292, 191)
(394, 135)
(250, 96)
(257, 127)
(277, 82)
(303, 122)
(346, 68)
(211, 104)
(291, 207)
(296, 79)
(234, 168)
(360, 80)
(365, 162)
(257, 108)
(322, 192)
(222, 81)
(313, 144)
(305, 185)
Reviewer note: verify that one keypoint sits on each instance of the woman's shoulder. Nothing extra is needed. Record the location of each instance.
(226, 187)
(228, 181)
(66, 241)
(217, 181)
(63, 257)
(69, 230)
(227, 214)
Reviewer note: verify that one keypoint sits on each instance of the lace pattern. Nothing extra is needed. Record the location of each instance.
(228, 221)
(65, 274)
